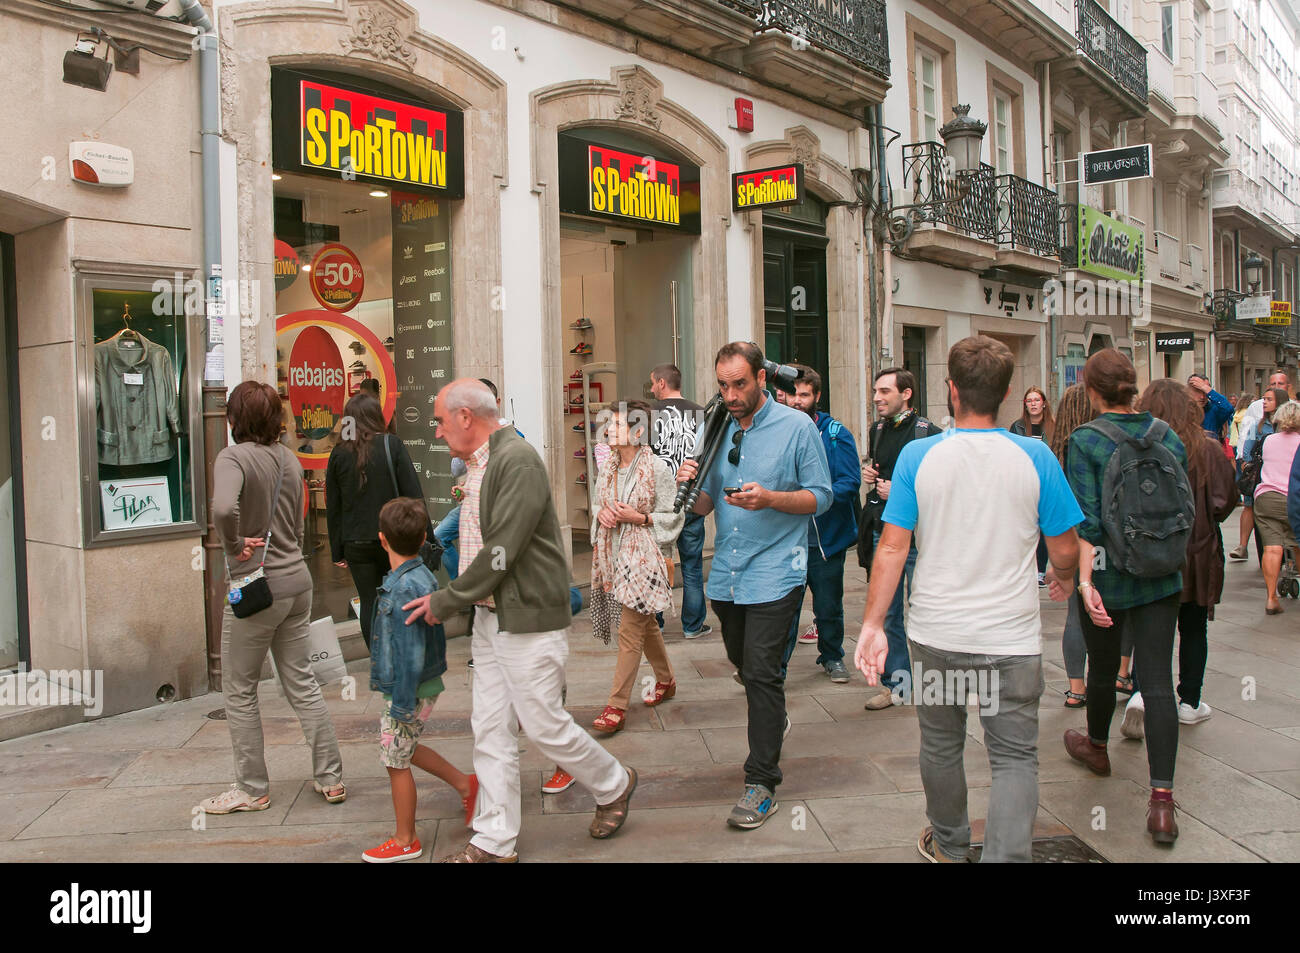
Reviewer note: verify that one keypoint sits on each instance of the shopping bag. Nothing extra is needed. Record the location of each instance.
(323, 651)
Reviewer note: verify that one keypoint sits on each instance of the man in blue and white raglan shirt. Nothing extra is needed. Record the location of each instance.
(976, 498)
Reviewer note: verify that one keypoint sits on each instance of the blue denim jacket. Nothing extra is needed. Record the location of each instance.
(403, 656)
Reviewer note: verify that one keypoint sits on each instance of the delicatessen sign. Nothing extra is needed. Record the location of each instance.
(1108, 247)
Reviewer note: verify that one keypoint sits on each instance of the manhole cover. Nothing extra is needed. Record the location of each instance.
(1054, 850)
(218, 715)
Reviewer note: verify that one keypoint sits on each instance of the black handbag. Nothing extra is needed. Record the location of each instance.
(253, 593)
(430, 550)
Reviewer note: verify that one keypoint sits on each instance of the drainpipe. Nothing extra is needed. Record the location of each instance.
(214, 388)
(886, 339)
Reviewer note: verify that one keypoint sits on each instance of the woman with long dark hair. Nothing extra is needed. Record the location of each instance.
(1036, 417)
(1036, 421)
(257, 497)
(366, 470)
(1215, 491)
(1112, 602)
(1073, 412)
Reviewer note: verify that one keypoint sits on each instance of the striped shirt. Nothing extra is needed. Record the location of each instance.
(471, 530)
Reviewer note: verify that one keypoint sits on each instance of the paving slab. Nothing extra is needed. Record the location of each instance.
(62, 770)
(1123, 839)
(1278, 847)
(728, 712)
(17, 811)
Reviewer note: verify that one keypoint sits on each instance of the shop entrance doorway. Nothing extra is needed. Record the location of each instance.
(794, 289)
(13, 574)
(626, 307)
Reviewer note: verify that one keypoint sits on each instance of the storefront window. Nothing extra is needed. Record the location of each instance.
(141, 410)
(1075, 358)
(12, 595)
(365, 186)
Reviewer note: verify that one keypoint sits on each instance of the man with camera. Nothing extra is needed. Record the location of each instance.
(770, 474)
(896, 426)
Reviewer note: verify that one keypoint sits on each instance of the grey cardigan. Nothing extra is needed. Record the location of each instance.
(137, 420)
(243, 480)
(665, 525)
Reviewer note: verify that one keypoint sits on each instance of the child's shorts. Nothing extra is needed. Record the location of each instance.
(397, 739)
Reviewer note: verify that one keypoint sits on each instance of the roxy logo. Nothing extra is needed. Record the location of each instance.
(304, 376)
(102, 907)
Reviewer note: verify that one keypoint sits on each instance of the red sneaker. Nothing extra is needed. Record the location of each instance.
(560, 781)
(390, 852)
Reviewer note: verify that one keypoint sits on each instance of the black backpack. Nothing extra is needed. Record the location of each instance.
(866, 517)
(1147, 507)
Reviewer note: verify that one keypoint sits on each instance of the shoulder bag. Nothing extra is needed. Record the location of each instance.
(252, 594)
(431, 551)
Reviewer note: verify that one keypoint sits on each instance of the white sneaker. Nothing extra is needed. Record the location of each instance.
(235, 799)
(1187, 715)
(1134, 718)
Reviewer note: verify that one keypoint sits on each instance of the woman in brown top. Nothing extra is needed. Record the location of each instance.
(244, 505)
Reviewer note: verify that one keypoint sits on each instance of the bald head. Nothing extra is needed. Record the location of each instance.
(471, 394)
(466, 415)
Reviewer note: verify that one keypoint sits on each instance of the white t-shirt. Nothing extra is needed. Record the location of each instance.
(976, 501)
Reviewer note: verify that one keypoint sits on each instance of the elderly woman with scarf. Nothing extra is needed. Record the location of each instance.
(631, 569)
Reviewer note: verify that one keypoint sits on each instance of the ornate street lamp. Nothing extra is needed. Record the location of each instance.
(1252, 271)
(962, 137)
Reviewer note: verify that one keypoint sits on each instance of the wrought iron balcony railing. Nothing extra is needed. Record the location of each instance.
(1028, 216)
(853, 28)
(1112, 48)
(974, 212)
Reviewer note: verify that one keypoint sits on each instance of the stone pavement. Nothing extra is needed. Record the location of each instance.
(124, 788)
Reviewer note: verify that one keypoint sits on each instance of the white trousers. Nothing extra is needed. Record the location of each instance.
(518, 680)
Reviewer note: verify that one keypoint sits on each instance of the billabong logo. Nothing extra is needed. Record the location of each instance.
(77, 906)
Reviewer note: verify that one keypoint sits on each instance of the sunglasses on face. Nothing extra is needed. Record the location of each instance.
(733, 456)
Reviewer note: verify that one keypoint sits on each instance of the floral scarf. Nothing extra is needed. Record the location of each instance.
(639, 579)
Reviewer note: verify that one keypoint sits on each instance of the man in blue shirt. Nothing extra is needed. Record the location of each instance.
(1218, 409)
(770, 475)
(831, 534)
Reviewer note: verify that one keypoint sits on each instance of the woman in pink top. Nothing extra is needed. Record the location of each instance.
(1279, 450)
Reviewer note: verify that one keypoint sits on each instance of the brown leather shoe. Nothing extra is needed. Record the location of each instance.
(1080, 747)
(610, 817)
(1161, 823)
(470, 854)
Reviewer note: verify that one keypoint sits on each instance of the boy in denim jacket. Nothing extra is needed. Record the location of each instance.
(406, 664)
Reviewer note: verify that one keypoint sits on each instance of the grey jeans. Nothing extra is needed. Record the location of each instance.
(1009, 715)
(282, 628)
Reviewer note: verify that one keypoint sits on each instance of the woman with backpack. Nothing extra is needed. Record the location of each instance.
(1073, 412)
(1129, 470)
(1215, 491)
(365, 471)
(1278, 452)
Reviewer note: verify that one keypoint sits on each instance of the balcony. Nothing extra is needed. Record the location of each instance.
(963, 230)
(1027, 234)
(703, 27)
(835, 51)
(1167, 255)
(1109, 71)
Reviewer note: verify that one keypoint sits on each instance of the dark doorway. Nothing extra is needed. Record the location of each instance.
(14, 646)
(914, 361)
(794, 289)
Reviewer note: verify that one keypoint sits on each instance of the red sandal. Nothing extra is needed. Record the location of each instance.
(663, 691)
(610, 720)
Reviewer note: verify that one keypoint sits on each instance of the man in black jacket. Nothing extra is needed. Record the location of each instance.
(896, 426)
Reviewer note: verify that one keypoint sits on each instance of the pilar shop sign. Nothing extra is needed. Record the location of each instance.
(767, 188)
(325, 128)
(1109, 248)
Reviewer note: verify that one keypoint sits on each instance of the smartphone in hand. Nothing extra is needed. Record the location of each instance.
(729, 490)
